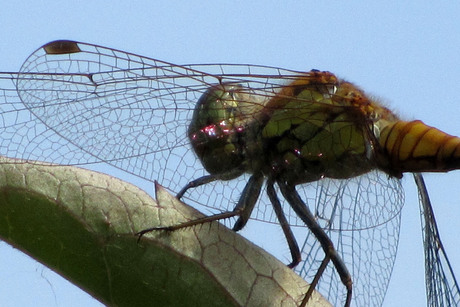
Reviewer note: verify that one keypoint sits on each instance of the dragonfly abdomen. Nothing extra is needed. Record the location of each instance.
(416, 147)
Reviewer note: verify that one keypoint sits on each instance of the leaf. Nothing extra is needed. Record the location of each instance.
(82, 225)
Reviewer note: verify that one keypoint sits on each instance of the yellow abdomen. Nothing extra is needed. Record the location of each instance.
(415, 147)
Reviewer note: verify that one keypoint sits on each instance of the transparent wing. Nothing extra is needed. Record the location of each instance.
(368, 253)
(442, 288)
(93, 104)
(100, 105)
(110, 106)
(120, 108)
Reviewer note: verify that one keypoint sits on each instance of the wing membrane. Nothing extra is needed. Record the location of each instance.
(442, 288)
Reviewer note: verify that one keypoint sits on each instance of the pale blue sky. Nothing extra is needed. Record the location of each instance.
(405, 53)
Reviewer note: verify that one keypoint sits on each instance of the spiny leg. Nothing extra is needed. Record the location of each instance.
(209, 178)
(248, 200)
(196, 183)
(243, 208)
(300, 208)
(290, 238)
(315, 281)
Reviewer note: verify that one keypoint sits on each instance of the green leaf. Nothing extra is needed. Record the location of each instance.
(82, 225)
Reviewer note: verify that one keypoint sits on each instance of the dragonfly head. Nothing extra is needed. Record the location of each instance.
(219, 128)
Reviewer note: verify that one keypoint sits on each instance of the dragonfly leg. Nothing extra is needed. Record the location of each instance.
(243, 208)
(196, 183)
(292, 243)
(300, 208)
(207, 179)
(206, 219)
(248, 200)
(313, 284)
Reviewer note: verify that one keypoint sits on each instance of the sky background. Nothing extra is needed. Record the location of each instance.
(407, 54)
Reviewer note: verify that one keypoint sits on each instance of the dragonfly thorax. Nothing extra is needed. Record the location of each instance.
(320, 126)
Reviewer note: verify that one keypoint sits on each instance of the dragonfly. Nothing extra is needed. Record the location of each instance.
(220, 134)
